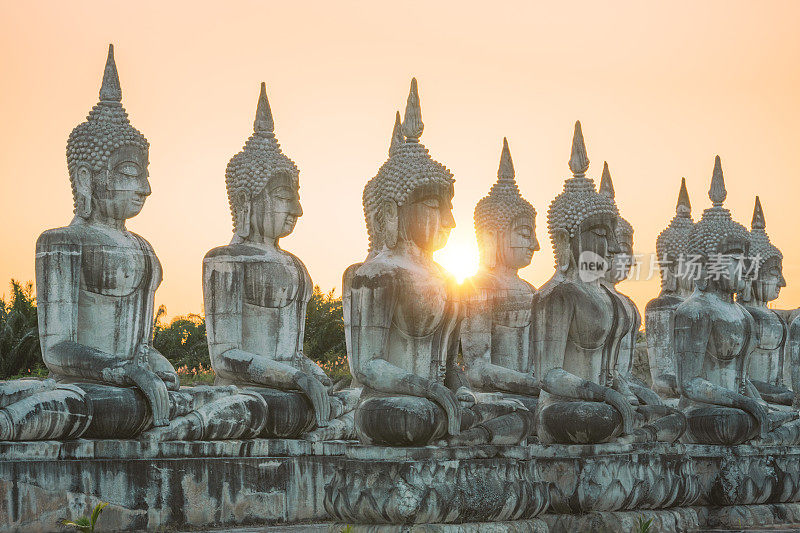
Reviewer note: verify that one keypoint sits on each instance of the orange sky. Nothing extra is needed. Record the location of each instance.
(659, 88)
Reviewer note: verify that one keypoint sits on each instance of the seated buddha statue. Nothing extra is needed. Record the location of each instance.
(620, 265)
(578, 324)
(495, 332)
(255, 295)
(96, 282)
(765, 365)
(677, 283)
(404, 314)
(715, 336)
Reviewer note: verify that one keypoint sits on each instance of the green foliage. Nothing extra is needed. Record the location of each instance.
(642, 525)
(85, 524)
(20, 353)
(183, 340)
(324, 334)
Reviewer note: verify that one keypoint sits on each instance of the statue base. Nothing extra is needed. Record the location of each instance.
(202, 484)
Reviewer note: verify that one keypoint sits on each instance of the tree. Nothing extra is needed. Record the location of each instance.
(19, 331)
(324, 335)
(183, 340)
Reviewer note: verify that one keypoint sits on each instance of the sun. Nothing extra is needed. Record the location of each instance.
(459, 257)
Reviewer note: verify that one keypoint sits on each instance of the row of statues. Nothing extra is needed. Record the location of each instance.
(492, 361)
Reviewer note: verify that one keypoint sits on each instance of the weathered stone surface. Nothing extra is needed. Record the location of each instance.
(434, 490)
(255, 296)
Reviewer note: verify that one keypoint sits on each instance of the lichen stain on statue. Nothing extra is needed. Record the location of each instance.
(255, 297)
(403, 316)
(579, 323)
(495, 332)
(765, 367)
(715, 336)
(95, 285)
(677, 283)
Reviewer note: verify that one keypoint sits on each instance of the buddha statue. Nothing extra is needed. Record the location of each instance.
(677, 283)
(404, 313)
(255, 295)
(495, 332)
(95, 284)
(765, 365)
(620, 265)
(578, 324)
(715, 336)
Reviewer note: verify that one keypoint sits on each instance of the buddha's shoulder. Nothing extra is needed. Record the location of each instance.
(696, 307)
(79, 235)
(662, 302)
(559, 288)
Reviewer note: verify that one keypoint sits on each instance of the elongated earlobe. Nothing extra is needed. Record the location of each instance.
(83, 190)
(243, 214)
(561, 249)
(390, 223)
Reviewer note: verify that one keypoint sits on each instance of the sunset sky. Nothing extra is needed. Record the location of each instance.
(660, 89)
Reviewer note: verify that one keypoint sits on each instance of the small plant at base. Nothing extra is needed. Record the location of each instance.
(642, 525)
(85, 524)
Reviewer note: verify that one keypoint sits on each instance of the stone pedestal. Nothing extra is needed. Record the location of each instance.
(405, 486)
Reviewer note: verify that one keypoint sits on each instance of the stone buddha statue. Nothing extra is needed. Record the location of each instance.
(255, 296)
(677, 283)
(96, 283)
(495, 333)
(578, 325)
(620, 265)
(404, 314)
(715, 336)
(765, 366)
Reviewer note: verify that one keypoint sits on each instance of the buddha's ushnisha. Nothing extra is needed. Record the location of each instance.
(256, 293)
(403, 313)
(576, 329)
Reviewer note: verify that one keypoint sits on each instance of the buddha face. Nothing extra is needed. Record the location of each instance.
(517, 245)
(119, 192)
(767, 286)
(729, 266)
(428, 219)
(596, 234)
(274, 211)
(622, 262)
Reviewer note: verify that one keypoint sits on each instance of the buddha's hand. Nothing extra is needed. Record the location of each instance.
(449, 402)
(759, 412)
(153, 387)
(318, 394)
(466, 397)
(621, 404)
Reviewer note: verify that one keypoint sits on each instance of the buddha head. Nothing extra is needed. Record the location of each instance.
(263, 184)
(108, 158)
(671, 247)
(580, 219)
(505, 223)
(768, 278)
(720, 244)
(410, 199)
(623, 261)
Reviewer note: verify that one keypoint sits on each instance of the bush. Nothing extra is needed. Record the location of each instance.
(19, 333)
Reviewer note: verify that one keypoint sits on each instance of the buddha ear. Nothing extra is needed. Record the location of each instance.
(242, 200)
(561, 249)
(83, 191)
(490, 249)
(390, 221)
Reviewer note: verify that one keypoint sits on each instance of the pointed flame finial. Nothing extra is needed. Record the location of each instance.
(412, 123)
(263, 122)
(110, 90)
(606, 185)
(506, 169)
(578, 161)
(683, 200)
(758, 221)
(397, 136)
(717, 192)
